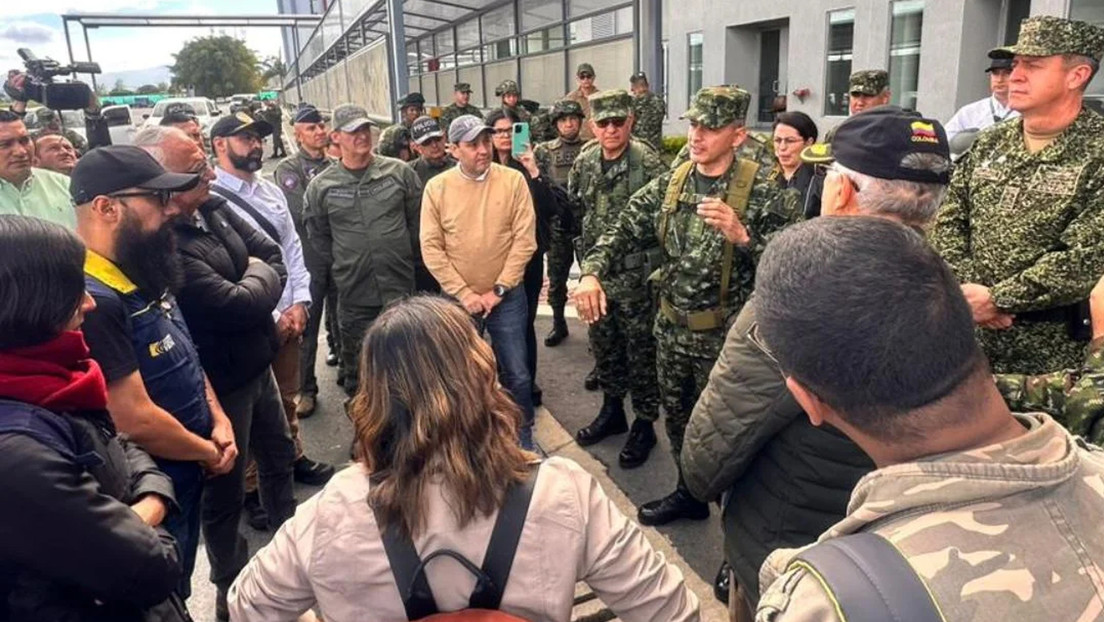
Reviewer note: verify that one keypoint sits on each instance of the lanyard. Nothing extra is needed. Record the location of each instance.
(993, 111)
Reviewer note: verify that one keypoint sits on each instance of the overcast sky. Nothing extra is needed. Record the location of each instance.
(36, 24)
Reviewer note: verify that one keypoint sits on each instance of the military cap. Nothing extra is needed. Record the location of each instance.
(309, 114)
(869, 82)
(239, 122)
(462, 87)
(45, 114)
(425, 128)
(999, 63)
(584, 68)
(1046, 35)
(718, 106)
(506, 87)
(639, 76)
(393, 140)
(350, 118)
(612, 104)
(566, 108)
(412, 99)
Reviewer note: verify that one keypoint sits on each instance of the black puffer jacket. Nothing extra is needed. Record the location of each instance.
(67, 536)
(787, 480)
(227, 300)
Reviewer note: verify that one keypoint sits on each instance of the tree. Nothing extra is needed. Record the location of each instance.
(216, 66)
(162, 87)
(120, 85)
(147, 89)
(272, 67)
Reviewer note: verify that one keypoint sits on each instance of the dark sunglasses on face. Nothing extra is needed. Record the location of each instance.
(618, 122)
(162, 196)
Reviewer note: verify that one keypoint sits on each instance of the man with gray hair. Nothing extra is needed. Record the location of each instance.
(783, 480)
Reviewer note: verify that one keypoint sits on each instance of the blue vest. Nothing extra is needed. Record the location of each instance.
(167, 358)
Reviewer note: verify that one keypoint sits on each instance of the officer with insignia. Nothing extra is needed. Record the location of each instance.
(557, 157)
(461, 105)
(362, 214)
(605, 175)
(711, 217)
(649, 109)
(1023, 224)
(50, 122)
(292, 175)
(510, 95)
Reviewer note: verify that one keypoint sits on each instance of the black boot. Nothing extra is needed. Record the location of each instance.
(678, 504)
(538, 396)
(559, 328)
(311, 472)
(591, 382)
(722, 583)
(610, 420)
(639, 445)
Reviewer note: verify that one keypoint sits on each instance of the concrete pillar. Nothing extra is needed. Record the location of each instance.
(650, 41)
(396, 39)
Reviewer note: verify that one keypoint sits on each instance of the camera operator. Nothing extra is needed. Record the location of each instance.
(95, 126)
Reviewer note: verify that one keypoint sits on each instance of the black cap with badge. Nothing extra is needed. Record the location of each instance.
(178, 112)
(309, 114)
(239, 122)
(107, 170)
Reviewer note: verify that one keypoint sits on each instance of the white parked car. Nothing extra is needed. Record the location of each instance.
(120, 122)
(206, 111)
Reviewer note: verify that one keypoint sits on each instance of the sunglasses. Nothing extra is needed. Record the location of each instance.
(586, 76)
(618, 122)
(162, 196)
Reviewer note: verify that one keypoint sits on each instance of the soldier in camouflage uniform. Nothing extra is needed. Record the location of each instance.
(510, 95)
(49, 122)
(394, 142)
(997, 514)
(867, 88)
(461, 98)
(541, 127)
(711, 218)
(602, 179)
(1023, 224)
(556, 157)
(648, 111)
(292, 175)
(584, 75)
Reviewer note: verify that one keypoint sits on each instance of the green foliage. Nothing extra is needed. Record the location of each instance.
(147, 89)
(671, 146)
(216, 66)
(272, 67)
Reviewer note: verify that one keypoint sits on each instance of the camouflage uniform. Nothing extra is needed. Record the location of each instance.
(648, 111)
(688, 282)
(622, 341)
(1007, 532)
(505, 88)
(393, 139)
(1074, 397)
(1030, 226)
(47, 117)
(542, 126)
(452, 110)
(557, 156)
(868, 82)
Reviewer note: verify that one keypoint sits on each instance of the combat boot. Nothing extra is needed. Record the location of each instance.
(642, 438)
(559, 328)
(678, 504)
(610, 420)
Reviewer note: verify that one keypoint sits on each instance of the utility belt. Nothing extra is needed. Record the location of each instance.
(648, 260)
(696, 321)
(1076, 317)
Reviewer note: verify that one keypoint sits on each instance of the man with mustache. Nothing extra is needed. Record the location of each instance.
(26, 190)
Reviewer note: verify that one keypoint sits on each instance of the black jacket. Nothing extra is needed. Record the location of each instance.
(545, 202)
(67, 535)
(786, 480)
(227, 300)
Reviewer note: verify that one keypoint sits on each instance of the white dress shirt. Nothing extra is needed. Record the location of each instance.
(271, 204)
(978, 116)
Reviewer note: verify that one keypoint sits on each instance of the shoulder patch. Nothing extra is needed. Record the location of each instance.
(287, 180)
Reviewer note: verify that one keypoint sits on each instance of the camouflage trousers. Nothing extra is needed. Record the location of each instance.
(561, 255)
(625, 353)
(684, 359)
(1031, 348)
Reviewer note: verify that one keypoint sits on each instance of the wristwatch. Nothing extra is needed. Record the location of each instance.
(500, 290)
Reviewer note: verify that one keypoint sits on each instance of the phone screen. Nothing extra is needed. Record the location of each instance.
(520, 139)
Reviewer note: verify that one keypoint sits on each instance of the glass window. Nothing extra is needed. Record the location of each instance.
(498, 50)
(543, 40)
(694, 65)
(841, 38)
(444, 43)
(468, 57)
(537, 13)
(619, 22)
(474, 77)
(1091, 11)
(1017, 11)
(467, 34)
(447, 62)
(494, 74)
(904, 51)
(582, 7)
(412, 57)
(542, 76)
(498, 24)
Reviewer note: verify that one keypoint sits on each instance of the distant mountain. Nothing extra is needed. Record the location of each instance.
(135, 77)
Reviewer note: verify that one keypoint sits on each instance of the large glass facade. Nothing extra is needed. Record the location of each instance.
(837, 75)
(906, 24)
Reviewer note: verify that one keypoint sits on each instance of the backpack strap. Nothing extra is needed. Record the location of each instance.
(739, 195)
(407, 568)
(499, 558)
(636, 167)
(263, 222)
(869, 580)
(670, 199)
(49, 428)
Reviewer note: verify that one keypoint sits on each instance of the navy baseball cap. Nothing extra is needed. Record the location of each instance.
(106, 170)
(309, 114)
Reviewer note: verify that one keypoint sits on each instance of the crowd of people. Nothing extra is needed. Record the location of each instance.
(874, 352)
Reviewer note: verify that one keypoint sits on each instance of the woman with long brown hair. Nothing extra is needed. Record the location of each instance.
(438, 458)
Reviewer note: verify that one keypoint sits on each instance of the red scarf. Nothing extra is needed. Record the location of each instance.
(57, 375)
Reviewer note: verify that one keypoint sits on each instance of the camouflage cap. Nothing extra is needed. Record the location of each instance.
(507, 86)
(566, 108)
(45, 115)
(584, 68)
(869, 82)
(393, 140)
(612, 104)
(1046, 35)
(462, 87)
(718, 106)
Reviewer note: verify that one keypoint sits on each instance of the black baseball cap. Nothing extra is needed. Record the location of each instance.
(309, 114)
(239, 122)
(107, 170)
(999, 62)
(639, 76)
(875, 142)
(179, 112)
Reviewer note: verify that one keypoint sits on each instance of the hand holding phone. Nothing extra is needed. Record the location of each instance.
(519, 139)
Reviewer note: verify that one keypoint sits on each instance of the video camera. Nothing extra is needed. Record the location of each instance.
(40, 85)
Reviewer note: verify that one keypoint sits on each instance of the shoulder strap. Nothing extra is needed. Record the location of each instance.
(49, 428)
(407, 569)
(869, 580)
(739, 194)
(233, 197)
(499, 557)
(636, 167)
(670, 199)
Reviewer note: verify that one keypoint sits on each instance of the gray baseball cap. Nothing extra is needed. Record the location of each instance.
(350, 118)
(466, 128)
(425, 128)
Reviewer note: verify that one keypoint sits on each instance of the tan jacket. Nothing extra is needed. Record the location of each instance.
(330, 553)
(1008, 532)
(585, 132)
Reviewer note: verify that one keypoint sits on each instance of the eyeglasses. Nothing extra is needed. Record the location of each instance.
(618, 122)
(778, 142)
(822, 170)
(162, 196)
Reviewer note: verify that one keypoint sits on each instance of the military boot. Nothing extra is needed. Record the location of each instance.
(559, 328)
(678, 504)
(610, 420)
(642, 438)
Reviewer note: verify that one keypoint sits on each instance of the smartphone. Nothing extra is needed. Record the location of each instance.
(520, 139)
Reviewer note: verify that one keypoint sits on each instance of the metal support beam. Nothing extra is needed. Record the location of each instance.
(88, 48)
(298, 73)
(69, 45)
(650, 40)
(400, 75)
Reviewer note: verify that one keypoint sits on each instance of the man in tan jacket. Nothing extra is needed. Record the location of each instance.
(478, 231)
